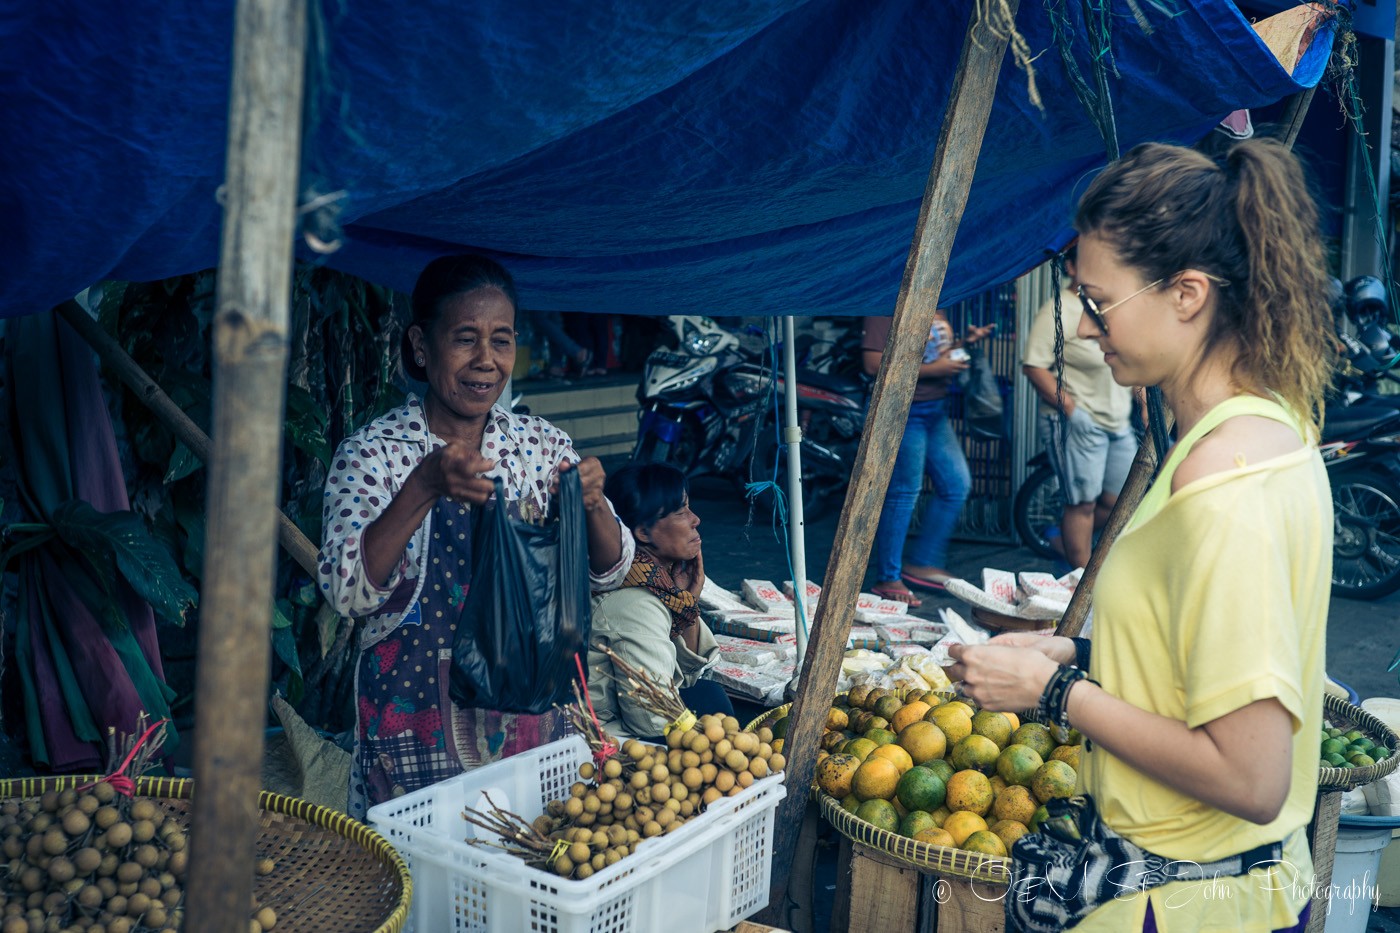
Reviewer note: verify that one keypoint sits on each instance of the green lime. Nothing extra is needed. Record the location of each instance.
(1365, 743)
(1362, 760)
(921, 789)
(1334, 733)
(1381, 753)
(940, 767)
(1335, 760)
(1355, 734)
(1332, 747)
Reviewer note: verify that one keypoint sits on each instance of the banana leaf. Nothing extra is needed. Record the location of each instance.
(121, 541)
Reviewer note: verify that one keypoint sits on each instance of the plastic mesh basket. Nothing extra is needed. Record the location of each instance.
(708, 875)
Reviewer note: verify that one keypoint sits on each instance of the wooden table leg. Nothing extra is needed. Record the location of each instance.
(841, 903)
(1322, 839)
(969, 907)
(886, 896)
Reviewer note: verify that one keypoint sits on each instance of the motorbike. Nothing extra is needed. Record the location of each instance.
(1360, 446)
(711, 406)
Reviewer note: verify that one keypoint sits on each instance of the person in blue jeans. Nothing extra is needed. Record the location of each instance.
(931, 446)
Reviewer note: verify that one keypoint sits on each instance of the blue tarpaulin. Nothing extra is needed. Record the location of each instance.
(688, 156)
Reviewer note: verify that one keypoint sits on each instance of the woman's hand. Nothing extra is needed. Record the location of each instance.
(691, 575)
(1055, 647)
(591, 477)
(456, 471)
(1000, 676)
(976, 334)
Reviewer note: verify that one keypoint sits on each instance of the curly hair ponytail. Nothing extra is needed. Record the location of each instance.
(1250, 222)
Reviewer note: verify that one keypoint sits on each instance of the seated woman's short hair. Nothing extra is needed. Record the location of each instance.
(644, 493)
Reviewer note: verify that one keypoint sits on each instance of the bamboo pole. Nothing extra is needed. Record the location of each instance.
(150, 394)
(250, 352)
(945, 197)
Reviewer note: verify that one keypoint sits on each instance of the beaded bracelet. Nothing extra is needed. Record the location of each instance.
(1082, 647)
(1054, 701)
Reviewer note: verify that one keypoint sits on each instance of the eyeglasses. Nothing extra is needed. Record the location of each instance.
(1097, 314)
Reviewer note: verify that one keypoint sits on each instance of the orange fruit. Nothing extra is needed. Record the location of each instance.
(965, 707)
(895, 754)
(998, 785)
(875, 778)
(879, 813)
(857, 694)
(877, 722)
(969, 790)
(921, 789)
(1013, 719)
(880, 736)
(954, 720)
(941, 768)
(837, 720)
(850, 803)
(975, 751)
(1054, 779)
(941, 814)
(1069, 754)
(899, 808)
(887, 706)
(962, 824)
(916, 822)
(935, 837)
(994, 726)
(1036, 736)
(1015, 803)
(1017, 764)
(835, 773)
(1008, 831)
(923, 741)
(861, 747)
(985, 842)
(908, 713)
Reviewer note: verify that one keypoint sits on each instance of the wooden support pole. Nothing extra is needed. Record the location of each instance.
(250, 353)
(297, 544)
(945, 197)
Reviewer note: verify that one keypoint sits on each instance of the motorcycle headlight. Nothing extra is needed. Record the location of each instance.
(702, 369)
(697, 343)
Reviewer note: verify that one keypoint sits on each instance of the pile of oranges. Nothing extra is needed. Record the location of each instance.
(941, 771)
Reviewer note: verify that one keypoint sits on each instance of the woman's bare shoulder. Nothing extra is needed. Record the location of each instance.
(1246, 440)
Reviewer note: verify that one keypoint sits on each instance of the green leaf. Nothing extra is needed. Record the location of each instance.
(284, 643)
(123, 537)
(182, 463)
(306, 425)
(328, 624)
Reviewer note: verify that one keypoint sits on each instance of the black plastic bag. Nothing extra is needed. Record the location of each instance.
(527, 612)
(982, 402)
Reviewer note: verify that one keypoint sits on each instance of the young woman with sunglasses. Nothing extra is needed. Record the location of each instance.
(1210, 611)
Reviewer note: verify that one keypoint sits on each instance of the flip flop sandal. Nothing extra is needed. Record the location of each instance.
(899, 596)
(921, 583)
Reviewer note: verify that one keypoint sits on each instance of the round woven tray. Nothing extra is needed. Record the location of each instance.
(768, 718)
(1342, 713)
(333, 872)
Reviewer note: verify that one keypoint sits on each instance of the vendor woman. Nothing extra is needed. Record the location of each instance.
(653, 621)
(397, 532)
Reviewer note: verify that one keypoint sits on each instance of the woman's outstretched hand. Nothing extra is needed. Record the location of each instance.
(1002, 676)
(458, 472)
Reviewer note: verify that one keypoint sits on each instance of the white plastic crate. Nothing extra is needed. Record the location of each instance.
(726, 854)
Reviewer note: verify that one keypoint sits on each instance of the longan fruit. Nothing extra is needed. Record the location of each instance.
(765, 750)
(611, 857)
(143, 809)
(612, 768)
(61, 870)
(107, 886)
(633, 837)
(88, 804)
(591, 803)
(578, 789)
(647, 763)
(116, 904)
(674, 738)
(137, 904)
(579, 853)
(145, 856)
(745, 742)
(143, 831)
(688, 808)
(623, 802)
(736, 761)
(758, 768)
(151, 887)
(267, 917)
(156, 917)
(730, 724)
(76, 822)
(765, 734)
(708, 772)
(678, 789)
(665, 818)
(724, 780)
(573, 808)
(673, 762)
(607, 793)
(90, 897)
(644, 816)
(692, 778)
(660, 773)
(586, 770)
(707, 756)
(777, 762)
(119, 835)
(722, 749)
(745, 779)
(587, 819)
(49, 801)
(583, 872)
(634, 749)
(652, 828)
(700, 744)
(40, 822)
(643, 797)
(639, 780)
(688, 760)
(563, 866)
(104, 792)
(179, 861)
(55, 842)
(128, 873)
(714, 731)
(555, 808)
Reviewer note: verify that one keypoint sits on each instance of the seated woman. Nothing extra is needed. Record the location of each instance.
(397, 532)
(653, 621)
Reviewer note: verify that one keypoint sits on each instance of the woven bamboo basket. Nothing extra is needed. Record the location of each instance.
(333, 872)
(1342, 713)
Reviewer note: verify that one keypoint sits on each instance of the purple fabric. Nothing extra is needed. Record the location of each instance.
(65, 750)
(1149, 923)
(97, 469)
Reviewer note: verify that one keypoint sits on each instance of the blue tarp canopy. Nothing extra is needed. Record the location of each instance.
(639, 156)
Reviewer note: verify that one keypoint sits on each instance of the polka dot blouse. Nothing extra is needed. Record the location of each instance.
(371, 466)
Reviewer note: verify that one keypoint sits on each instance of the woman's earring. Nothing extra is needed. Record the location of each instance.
(419, 360)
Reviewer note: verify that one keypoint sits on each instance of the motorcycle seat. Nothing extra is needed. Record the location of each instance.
(838, 384)
(1356, 421)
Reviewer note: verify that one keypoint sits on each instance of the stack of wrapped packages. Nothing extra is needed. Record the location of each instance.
(757, 635)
